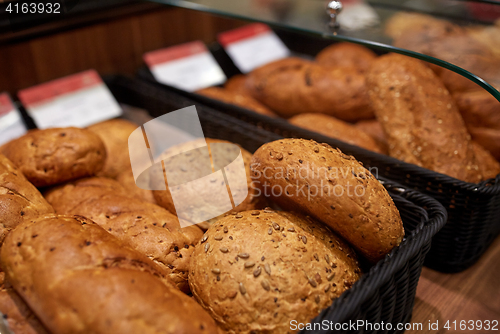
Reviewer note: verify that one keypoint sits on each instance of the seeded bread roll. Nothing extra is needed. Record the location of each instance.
(80, 279)
(236, 98)
(375, 130)
(16, 313)
(256, 271)
(293, 86)
(126, 179)
(225, 156)
(488, 166)
(346, 54)
(332, 187)
(19, 199)
(335, 128)
(52, 156)
(114, 133)
(146, 227)
(420, 118)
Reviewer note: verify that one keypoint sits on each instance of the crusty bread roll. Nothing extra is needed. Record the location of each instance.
(256, 271)
(335, 128)
(19, 199)
(332, 187)
(404, 22)
(80, 279)
(52, 156)
(126, 179)
(146, 227)
(420, 118)
(374, 129)
(225, 156)
(293, 86)
(16, 313)
(237, 98)
(487, 138)
(488, 166)
(479, 109)
(114, 134)
(346, 54)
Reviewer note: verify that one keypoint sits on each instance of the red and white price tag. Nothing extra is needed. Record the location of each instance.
(11, 123)
(252, 46)
(188, 66)
(77, 100)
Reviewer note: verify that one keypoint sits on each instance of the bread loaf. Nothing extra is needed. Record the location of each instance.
(224, 155)
(146, 227)
(19, 199)
(114, 133)
(258, 270)
(78, 278)
(52, 156)
(293, 86)
(346, 54)
(420, 118)
(488, 166)
(375, 130)
(237, 98)
(332, 187)
(335, 128)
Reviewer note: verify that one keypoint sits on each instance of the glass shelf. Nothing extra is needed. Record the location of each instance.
(461, 25)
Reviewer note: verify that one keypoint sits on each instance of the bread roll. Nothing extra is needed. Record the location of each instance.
(237, 84)
(19, 199)
(114, 134)
(237, 98)
(146, 227)
(425, 25)
(332, 187)
(479, 109)
(80, 279)
(126, 179)
(52, 156)
(420, 118)
(487, 138)
(488, 166)
(346, 54)
(375, 130)
(335, 128)
(225, 155)
(293, 86)
(258, 270)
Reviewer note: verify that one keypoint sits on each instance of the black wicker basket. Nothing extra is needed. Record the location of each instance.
(473, 209)
(387, 292)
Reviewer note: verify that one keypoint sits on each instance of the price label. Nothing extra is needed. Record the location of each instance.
(252, 46)
(11, 123)
(188, 66)
(78, 100)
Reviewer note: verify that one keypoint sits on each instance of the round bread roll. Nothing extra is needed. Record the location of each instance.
(237, 98)
(52, 156)
(225, 156)
(114, 133)
(346, 55)
(335, 128)
(293, 86)
(256, 271)
(333, 187)
(126, 179)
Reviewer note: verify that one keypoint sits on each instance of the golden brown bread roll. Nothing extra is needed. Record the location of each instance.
(80, 279)
(146, 227)
(346, 54)
(19, 199)
(420, 118)
(52, 156)
(332, 187)
(487, 138)
(374, 129)
(114, 134)
(488, 166)
(479, 109)
(403, 22)
(126, 179)
(335, 128)
(258, 270)
(237, 84)
(293, 86)
(236, 98)
(226, 155)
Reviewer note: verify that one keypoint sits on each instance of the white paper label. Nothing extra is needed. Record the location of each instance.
(11, 123)
(253, 46)
(79, 100)
(188, 67)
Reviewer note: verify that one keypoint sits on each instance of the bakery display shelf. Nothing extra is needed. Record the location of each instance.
(473, 209)
(310, 17)
(387, 291)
